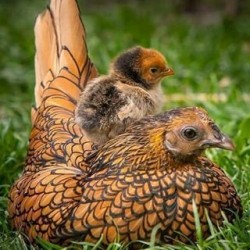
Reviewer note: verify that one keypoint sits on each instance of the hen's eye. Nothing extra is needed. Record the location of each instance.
(190, 133)
(153, 70)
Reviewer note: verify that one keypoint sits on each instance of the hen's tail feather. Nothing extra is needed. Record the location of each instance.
(46, 53)
(63, 68)
(60, 44)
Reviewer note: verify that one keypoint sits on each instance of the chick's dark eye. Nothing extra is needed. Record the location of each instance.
(190, 133)
(153, 70)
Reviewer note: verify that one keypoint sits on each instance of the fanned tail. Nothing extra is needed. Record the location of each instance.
(63, 68)
(61, 51)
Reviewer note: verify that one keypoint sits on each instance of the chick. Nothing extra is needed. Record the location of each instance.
(130, 91)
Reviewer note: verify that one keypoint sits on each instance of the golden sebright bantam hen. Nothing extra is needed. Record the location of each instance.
(153, 175)
(132, 90)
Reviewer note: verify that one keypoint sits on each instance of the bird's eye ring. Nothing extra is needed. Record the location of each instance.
(190, 133)
(153, 70)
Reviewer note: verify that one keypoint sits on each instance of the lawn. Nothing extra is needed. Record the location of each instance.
(209, 52)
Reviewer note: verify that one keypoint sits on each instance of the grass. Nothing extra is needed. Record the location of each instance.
(209, 59)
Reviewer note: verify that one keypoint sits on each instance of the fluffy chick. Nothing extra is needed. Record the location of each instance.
(130, 91)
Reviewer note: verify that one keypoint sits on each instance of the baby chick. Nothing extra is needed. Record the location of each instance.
(130, 91)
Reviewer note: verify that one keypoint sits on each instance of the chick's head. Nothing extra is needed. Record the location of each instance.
(190, 131)
(146, 67)
(153, 66)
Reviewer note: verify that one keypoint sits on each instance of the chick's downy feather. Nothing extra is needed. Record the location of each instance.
(131, 91)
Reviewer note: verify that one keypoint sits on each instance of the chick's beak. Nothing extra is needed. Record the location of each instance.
(223, 142)
(168, 72)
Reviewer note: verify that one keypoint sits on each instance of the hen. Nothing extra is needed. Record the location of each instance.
(131, 91)
(151, 175)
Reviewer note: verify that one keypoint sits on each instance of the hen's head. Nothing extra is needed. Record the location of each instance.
(176, 136)
(146, 67)
(191, 131)
(183, 132)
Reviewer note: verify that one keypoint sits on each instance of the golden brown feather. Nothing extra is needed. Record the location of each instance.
(148, 176)
(132, 90)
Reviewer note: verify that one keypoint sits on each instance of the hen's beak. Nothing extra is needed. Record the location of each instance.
(224, 142)
(168, 72)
